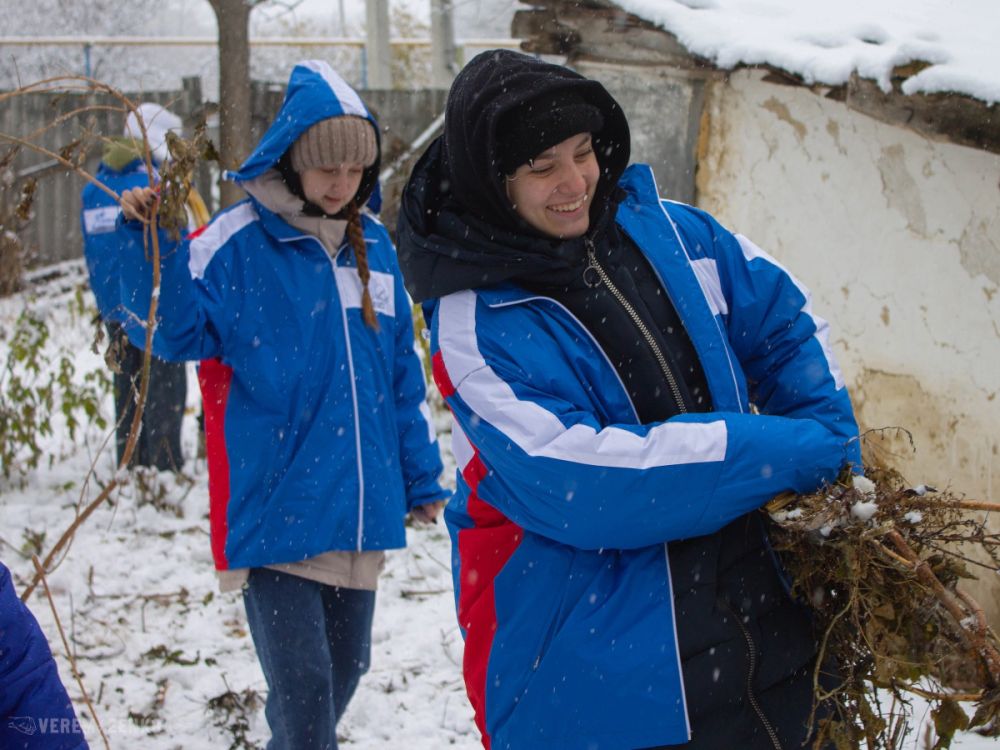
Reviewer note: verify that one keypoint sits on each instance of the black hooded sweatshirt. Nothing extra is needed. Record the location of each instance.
(457, 230)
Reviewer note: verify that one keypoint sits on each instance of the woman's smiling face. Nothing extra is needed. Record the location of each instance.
(553, 191)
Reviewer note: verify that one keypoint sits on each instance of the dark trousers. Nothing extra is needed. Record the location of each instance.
(159, 443)
(314, 643)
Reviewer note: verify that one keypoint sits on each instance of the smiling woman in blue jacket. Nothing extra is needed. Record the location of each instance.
(317, 396)
(630, 382)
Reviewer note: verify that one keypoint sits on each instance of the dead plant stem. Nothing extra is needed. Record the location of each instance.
(62, 160)
(930, 501)
(40, 571)
(977, 637)
(939, 696)
(136, 426)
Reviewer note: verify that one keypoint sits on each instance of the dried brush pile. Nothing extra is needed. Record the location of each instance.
(177, 199)
(881, 565)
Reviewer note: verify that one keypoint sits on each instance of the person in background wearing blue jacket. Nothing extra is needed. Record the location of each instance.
(35, 711)
(318, 394)
(630, 383)
(122, 168)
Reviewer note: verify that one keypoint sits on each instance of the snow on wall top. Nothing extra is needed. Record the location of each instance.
(824, 41)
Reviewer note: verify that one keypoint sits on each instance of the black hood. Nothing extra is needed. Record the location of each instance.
(457, 229)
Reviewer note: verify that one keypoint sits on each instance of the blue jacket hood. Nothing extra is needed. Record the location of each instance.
(315, 92)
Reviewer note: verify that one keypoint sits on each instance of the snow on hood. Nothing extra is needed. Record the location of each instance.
(825, 42)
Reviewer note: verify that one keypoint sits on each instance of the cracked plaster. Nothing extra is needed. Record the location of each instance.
(898, 238)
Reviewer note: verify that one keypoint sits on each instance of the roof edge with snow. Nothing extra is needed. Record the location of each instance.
(602, 31)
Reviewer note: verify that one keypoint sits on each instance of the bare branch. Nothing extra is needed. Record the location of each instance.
(40, 571)
(62, 160)
(151, 238)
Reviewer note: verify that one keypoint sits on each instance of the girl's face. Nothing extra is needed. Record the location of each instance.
(553, 191)
(332, 187)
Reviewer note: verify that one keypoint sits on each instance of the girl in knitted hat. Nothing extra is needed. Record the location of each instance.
(318, 436)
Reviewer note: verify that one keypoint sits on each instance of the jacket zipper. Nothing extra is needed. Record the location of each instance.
(752, 650)
(593, 265)
(354, 396)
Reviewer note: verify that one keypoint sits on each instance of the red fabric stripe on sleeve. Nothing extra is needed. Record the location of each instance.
(214, 379)
(441, 376)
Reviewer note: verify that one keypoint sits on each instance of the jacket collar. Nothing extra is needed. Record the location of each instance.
(136, 166)
(504, 294)
(270, 192)
(639, 185)
(276, 226)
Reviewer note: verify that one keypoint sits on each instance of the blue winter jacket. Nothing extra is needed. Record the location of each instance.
(35, 711)
(328, 437)
(103, 244)
(565, 502)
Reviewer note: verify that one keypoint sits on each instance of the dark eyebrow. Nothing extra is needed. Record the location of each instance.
(547, 154)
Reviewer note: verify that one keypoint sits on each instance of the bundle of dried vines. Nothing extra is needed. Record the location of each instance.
(880, 564)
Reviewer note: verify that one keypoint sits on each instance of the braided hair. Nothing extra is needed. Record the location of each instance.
(355, 235)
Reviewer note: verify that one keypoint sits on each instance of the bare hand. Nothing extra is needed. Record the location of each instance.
(137, 203)
(427, 513)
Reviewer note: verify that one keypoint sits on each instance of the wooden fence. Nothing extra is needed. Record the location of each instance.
(53, 234)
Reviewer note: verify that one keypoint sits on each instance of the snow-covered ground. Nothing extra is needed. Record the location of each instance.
(168, 660)
(158, 645)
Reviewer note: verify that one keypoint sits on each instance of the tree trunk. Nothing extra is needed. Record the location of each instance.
(233, 18)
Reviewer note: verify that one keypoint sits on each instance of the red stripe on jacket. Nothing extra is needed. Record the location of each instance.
(484, 550)
(214, 379)
(441, 377)
(197, 232)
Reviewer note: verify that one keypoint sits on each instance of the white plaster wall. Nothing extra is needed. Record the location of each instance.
(898, 237)
(663, 127)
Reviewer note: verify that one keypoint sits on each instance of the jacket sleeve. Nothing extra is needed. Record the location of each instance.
(782, 345)
(35, 710)
(189, 312)
(553, 468)
(101, 247)
(418, 445)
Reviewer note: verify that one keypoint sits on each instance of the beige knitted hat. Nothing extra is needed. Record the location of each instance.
(337, 140)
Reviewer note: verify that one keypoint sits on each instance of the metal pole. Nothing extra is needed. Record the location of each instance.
(379, 51)
(429, 132)
(443, 56)
(86, 60)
